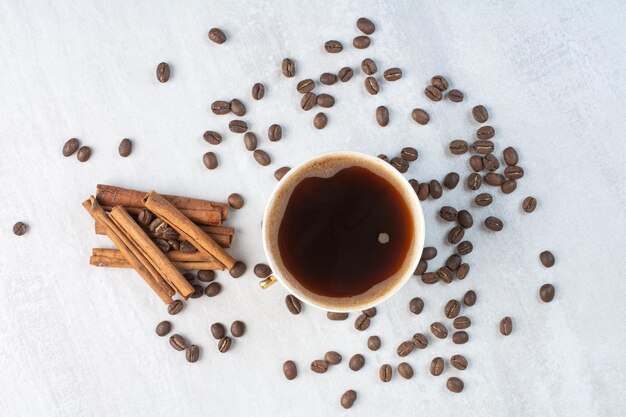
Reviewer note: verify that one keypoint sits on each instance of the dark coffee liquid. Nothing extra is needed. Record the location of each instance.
(342, 235)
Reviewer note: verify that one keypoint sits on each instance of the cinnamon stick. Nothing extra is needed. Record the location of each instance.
(208, 217)
(109, 195)
(122, 262)
(152, 253)
(126, 247)
(173, 255)
(186, 228)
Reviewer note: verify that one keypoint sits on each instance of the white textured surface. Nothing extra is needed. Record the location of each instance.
(79, 341)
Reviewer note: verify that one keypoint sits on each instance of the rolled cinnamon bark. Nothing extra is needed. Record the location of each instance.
(173, 255)
(186, 228)
(208, 217)
(122, 262)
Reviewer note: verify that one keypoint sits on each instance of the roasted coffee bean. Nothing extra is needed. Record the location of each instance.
(189, 277)
(70, 147)
(383, 157)
(430, 278)
(197, 291)
(163, 328)
(238, 126)
(510, 156)
(476, 163)
(163, 72)
(451, 180)
(368, 66)
(436, 366)
(262, 270)
(83, 154)
(465, 248)
(422, 266)
(293, 304)
(412, 182)
(275, 133)
(506, 326)
(456, 235)
(209, 160)
(163, 245)
(490, 162)
(371, 85)
(474, 181)
(392, 74)
(485, 132)
(419, 341)
(465, 219)
(365, 25)
(462, 272)
(178, 342)
(20, 228)
(469, 299)
(175, 307)
(250, 141)
(445, 274)
(333, 47)
(356, 362)
(325, 100)
(331, 315)
(220, 107)
(514, 172)
(328, 78)
(529, 204)
(238, 328)
(218, 330)
(258, 91)
(319, 366)
(165, 231)
(345, 74)
(290, 370)
(370, 312)
(404, 349)
(453, 262)
(205, 276)
(224, 344)
(212, 137)
(462, 322)
(433, 93)
(480, 113)
(237, 107)
(546, 293)
(454, 384)
(458, 147)
(483, 199)
(175, 245)
(385, 373)
(420, 116)
(305, 86)
(154, 224)
(361, 42)
(416, 305)
(288, 67)
(428, 253)
(439, 330)
(452, 309)
(217, 35)
(493, 223)
(192, 353)
(373, 343)
(235, 201)
(308, 101)
(439, 82)
(280, 173)
(405, 370)
(482, 147)
(455, 96)
(460, 337)
(213, 289)
(508, 186)
(262, 157)
(320, 120)
(400, 164)
(348, 398)
(494, 179)
(125, 147)
(332, 357)
(362, 322)
(547, 258)
(459, 362)
(409, 154)
(382, 116)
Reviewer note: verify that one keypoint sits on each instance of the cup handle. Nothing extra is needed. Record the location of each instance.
(267, 282)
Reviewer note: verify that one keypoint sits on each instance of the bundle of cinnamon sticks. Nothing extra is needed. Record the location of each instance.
(193, 228)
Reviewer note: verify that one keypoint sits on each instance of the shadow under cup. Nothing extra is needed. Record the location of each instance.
(314, 265)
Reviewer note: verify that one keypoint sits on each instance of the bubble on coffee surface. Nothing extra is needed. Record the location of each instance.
(383, 238)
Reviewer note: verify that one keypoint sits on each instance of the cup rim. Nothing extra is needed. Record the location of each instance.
(414, 205)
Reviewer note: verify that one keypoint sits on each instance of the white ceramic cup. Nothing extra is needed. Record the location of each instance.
(327, 163)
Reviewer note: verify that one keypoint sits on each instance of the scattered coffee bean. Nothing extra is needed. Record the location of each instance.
(422, 266)
(459, 362)
(462, 322)
(404, 349)
(490, 162)
(546, 293)
(325, 100)
(458, 147)
(262, 157)
(249, 141)
(456, 235)
(452, 309)
(365, 25)
(469, 299)
(455, 96)
(198, 290)
(385, 373)
(262, 270)
(220, 107)
(373, 343)
(483, 199)
(465, 219)
(237, 107)
(345, 74)
(451, 180)
(319, 366)
(480, 113)
(332, 357)
(482, 147)
(163, 328)
(430, 278)
(382, 116)
(288, 67)
(333, 47)
(400, 164)
(213, 289)
(361, 42)
(84, 153)
(280, 173)
(416, 305)
(155, 224)
(412, 182)
(163, 72)
(125, 147)
(462, 272)
(420, 116)
(362, 322)
(178, 342)
(320, 120)
(493, 223)
(235, 201)
(209, 160)
(506, 326)
(485, 132)
(465, 248)
(393, 74)
(224, 344)
(510, 156)
(474, 181)
(445, 274)
(529, 204)
(420, 341)
(218, 330)
(238, 328)
(189, 277)
(453, 262)
(514, 172)
(175, 245)
(175, 307)
(258, 91)
(20, 228)
(212, 137)
(405, 370)
(293, 304)
(308, 101)
(205, 276)
(436, 366)
(368, 66)
(383, 157)
(238, 126)
(275, 133)
(433, 93)
(192, 353)
(448, 213)
(439, 82)
(163, 245)
(439, 330)
(70, 147)
(356, 362)
(348, 398)
(460, 337)
(428, 253)
(494, 179)
(476, 163)
(371, 86)
(547, 259)
(217, 35)
(508, 186)
(370, 312)
(409, 154)
(328, 78)
(454, 384)
(305, 86)
(290, 370)
(336, 316)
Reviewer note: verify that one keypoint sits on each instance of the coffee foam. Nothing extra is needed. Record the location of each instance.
(326, 166)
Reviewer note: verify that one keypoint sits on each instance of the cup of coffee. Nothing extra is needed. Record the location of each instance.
(343, 231)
